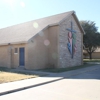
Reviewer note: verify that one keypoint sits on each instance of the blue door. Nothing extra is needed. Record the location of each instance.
(21, 56)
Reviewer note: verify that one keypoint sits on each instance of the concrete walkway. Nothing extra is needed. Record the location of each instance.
(10, 87)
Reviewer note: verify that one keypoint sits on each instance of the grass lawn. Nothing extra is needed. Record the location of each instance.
(7, 76)
(92, 60)
(58, 70)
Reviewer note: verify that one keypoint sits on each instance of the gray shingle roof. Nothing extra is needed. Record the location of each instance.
(98, 49)
(23, 32)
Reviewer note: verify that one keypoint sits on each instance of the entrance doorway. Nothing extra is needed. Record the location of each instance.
(21, 56)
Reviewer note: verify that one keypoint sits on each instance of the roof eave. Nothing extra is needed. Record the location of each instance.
(74, 15)
(66, 17)
(21, 42)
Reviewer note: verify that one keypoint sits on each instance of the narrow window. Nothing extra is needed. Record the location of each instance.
(16, 50)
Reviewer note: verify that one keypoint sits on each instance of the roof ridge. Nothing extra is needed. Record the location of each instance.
(25, 31)
(38, 19)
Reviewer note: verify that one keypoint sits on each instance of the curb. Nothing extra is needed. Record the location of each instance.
(27, 87)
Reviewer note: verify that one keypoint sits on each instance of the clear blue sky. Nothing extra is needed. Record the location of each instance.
(18, 11)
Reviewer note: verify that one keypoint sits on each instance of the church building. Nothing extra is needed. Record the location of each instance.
(50, 42)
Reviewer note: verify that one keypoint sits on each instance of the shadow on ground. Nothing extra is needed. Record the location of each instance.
(92, 73)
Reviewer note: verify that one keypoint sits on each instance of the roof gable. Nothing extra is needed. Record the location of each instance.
(23, 32)
(78, 23)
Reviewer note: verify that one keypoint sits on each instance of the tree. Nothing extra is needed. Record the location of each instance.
(91, 38)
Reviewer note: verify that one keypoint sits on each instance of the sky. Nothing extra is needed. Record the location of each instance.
(14, 12)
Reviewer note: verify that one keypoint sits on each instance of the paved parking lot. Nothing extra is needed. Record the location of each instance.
(84, 86)
(95, 74)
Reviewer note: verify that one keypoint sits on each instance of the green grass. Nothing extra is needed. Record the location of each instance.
(58, 70)
(92, 60)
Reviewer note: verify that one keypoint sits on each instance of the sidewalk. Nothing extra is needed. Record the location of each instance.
(10, 87)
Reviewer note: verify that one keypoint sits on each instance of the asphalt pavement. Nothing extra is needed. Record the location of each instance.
(81, 84)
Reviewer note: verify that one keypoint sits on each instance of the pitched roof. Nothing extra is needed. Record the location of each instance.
(23, 32)
(98, 49)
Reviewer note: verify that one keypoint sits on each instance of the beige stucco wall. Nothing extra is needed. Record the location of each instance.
(53, 48)
(4, 56)
(8, 58)
(38, 51)
(95, 55)
(65, 59)
(42, 49)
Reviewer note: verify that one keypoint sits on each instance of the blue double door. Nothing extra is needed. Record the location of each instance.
(21, 56)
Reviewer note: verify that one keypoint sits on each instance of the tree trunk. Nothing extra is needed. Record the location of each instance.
(90, 55)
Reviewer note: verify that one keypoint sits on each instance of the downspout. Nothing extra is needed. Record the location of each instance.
(10, 54)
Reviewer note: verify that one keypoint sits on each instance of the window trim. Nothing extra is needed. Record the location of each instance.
(15, 50)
